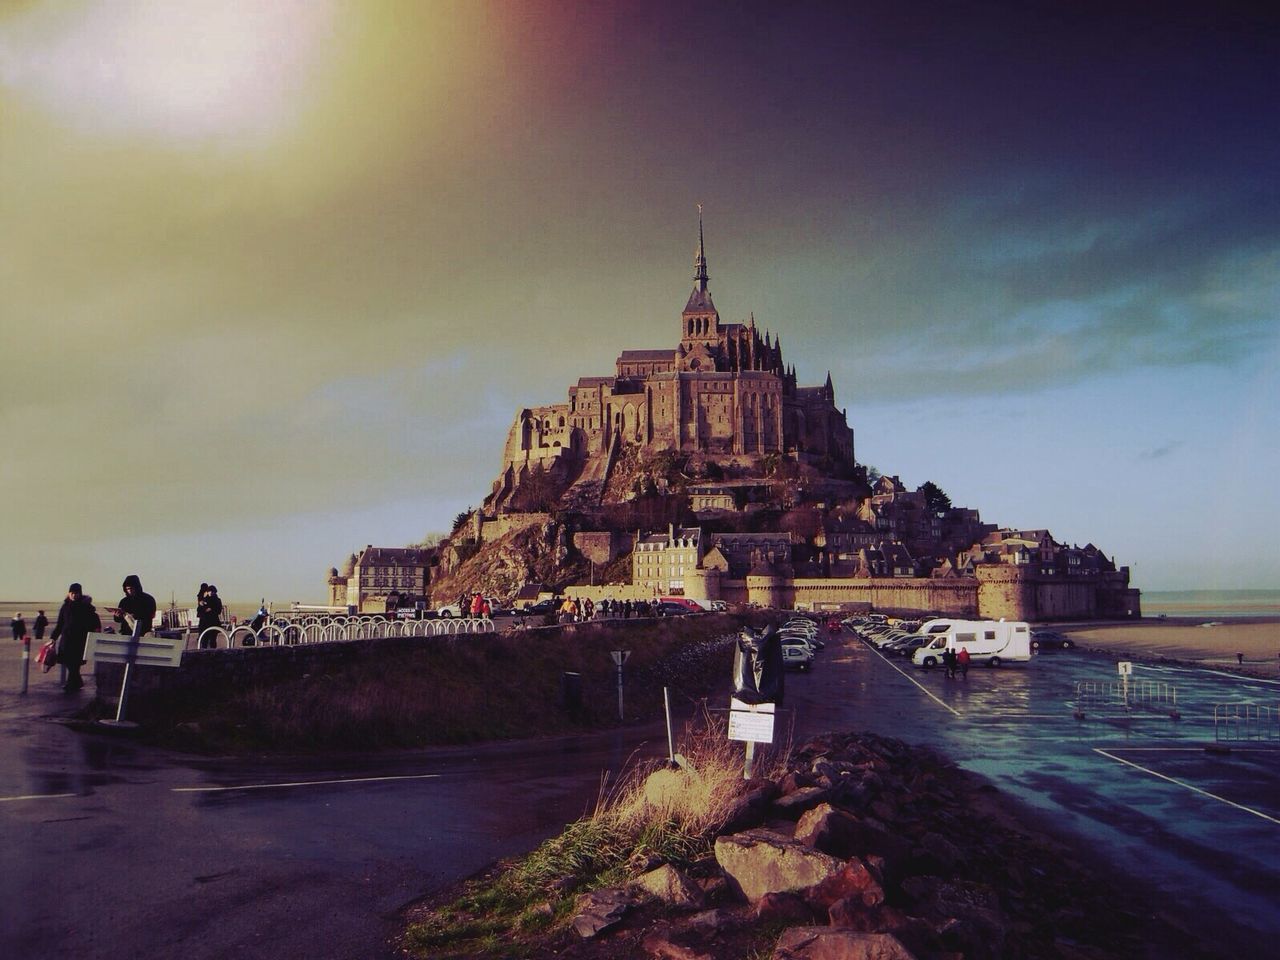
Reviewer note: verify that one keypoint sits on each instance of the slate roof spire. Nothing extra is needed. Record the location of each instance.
(700, 259)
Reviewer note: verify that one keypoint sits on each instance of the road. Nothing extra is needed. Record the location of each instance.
(111, 850)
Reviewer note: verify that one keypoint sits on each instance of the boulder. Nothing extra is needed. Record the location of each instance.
(853, 881)
(673, 886)
(601, 910)
(757, 862)
(824, 943)
(798, 801)
(783, 908)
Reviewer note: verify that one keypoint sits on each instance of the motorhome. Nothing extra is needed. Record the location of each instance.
(992, 642)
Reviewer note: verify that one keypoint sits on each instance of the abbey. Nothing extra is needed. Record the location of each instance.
(723, 391)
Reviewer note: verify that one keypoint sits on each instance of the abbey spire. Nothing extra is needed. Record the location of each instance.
(700, 320)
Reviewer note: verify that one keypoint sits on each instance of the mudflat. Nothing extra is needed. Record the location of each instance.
(1210, 642)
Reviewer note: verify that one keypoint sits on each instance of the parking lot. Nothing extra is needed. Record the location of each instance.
(1189, 812)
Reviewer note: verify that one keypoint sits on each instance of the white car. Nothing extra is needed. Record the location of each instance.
(796, 656)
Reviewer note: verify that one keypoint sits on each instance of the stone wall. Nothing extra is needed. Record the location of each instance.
(494, 528)
(601, 547)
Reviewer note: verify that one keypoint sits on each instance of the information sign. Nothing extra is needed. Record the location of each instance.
(752, 722)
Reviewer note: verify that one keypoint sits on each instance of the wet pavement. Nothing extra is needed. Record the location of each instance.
(1194, 817)
(111, 850)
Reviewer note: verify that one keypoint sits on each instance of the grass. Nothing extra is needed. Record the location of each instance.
(653, 814)
(452, 690)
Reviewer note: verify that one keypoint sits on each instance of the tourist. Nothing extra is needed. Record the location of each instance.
(477, 606)
(136, 611)
(76, 620)
(962, 660)
(19, 627)
(949, 662)
(208, 615)
(41, 622)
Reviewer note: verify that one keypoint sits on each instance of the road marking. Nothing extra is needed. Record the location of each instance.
(37, 796)
(1181, 783)
(927, 692)
(302, 783)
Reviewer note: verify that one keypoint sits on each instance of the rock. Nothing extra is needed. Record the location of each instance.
(663, 785)
(824, 943)
(795, 803)
(937, 854)
(674, 887)
(601, 910)
(853, 880)
(761, 861)
(751, 808)
(659, 945)
(783, 908)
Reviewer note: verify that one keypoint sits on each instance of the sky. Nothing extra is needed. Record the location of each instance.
(276, 275)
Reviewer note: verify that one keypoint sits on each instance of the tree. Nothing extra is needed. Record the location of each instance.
(461, 519)
(433, 539)
(873, 474)
(935, 498)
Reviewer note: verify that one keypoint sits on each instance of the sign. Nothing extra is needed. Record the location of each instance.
(150, 651)
(620, 656)
(752, 722)
(1125, 668)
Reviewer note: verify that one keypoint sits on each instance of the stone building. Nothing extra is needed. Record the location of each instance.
(724, 391)
(378, 579)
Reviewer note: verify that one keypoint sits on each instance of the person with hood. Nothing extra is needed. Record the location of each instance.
(76, 620)
(137, 610)
(208, 614)
(41, 624)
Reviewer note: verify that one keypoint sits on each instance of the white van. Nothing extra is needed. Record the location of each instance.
(992, 642)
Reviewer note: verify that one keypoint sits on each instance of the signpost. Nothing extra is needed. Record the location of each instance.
(619, 658)
(752, 722)
(143, 651)
(1125, 668)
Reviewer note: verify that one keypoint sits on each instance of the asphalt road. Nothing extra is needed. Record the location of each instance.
(112, 851)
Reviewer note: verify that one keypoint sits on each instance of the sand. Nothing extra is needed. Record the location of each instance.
(1205, 642)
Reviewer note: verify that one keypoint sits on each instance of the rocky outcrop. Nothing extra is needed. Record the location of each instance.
(757, 862)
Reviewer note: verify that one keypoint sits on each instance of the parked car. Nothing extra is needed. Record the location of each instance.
(1050, 640)
(543, 606)
(796, 656)
(668, 608)
(690, 606)
(449, 610)
(719, 606)
(833, 625)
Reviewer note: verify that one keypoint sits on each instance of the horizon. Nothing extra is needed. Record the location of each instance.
(279, 277)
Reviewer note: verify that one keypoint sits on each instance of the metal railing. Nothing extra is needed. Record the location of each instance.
(1246, 721)
(1154, 696)
(287, 631)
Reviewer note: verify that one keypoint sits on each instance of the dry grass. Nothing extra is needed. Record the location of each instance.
(653, 813)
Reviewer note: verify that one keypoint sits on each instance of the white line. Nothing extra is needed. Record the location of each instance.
(301, 783)
(1206, 793)
(38, 796)
(924, 690)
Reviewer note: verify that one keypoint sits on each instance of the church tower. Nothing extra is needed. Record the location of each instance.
(699, 321)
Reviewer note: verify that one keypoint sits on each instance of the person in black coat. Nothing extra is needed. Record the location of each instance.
(41, 624)
(137, 610)
(76, 620)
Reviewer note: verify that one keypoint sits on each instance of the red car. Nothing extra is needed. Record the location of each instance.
(833, 625)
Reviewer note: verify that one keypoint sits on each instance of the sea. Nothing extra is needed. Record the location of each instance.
(1214, 604)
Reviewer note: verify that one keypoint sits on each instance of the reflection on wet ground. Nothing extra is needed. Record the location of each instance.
(1202, 826)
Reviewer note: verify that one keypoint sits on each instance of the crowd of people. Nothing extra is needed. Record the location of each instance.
(956, 662)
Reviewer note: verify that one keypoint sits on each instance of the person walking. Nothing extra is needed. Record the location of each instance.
(949, 663)
(41, 623)
(76, 620)
(962, 661)
(19, 627)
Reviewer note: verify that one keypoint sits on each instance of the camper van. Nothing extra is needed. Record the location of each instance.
(992, 642)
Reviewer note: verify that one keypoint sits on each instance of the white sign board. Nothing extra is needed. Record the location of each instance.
(150, 651)
(750, 721)
(1125, 668)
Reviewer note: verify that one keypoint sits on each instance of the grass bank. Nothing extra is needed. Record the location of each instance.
(462, 689)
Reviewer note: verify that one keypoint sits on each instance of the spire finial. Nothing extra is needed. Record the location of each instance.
(700, 260)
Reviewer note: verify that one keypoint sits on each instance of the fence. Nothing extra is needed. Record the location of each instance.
(285, 631)
(1155, 696)
(1246, 721)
